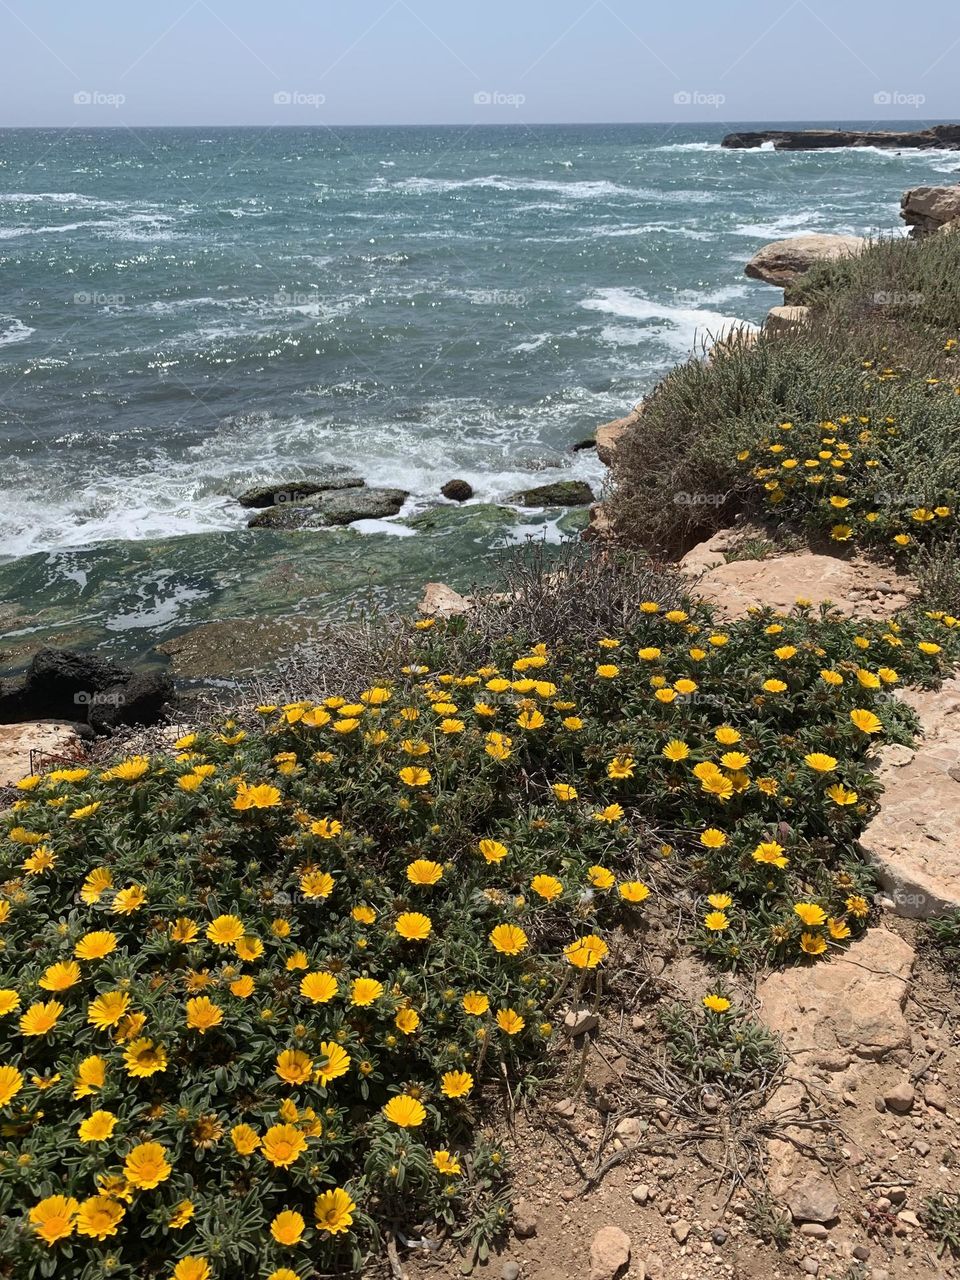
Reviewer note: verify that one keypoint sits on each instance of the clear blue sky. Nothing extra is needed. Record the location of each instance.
(140, 62)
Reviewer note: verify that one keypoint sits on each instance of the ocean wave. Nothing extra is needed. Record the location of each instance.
(582, 190)
(13, 330)
(689, 146)
(677, 327)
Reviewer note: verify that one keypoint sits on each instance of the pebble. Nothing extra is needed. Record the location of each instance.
(579, 1022)
(680, 1231)
(719, 1236)
(861, 1252)
(900, 1098)
(641, 1194)
(510, 1271)
(936, 1096)
(811, 1266)
(921, 1147)
(814, 1230)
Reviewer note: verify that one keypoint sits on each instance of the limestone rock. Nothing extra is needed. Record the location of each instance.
(900, 1098)
(26, 748)
(525, 1220)
(610, 434)
(782, 262)
(850, 1008)
(441, 601)
(927, 209)
(945, 136)
(600, 528)
(609, 1253)
(854, 586)
(914, 839)
(786, 319)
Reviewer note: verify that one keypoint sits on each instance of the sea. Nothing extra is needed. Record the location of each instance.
(185, 312)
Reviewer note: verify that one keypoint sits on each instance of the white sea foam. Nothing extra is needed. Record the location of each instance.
(677, 327)
(569, 190)
(13, 330)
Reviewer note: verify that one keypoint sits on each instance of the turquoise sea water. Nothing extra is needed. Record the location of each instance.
(186, 311)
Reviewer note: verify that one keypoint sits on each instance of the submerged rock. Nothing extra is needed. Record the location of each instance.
(562, 493)
(332, 507)
(286, 491)
(457, 490)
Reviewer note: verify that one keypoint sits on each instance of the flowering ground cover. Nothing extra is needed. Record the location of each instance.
(252, 992)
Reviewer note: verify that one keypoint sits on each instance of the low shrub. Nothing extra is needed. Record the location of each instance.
(252, 992)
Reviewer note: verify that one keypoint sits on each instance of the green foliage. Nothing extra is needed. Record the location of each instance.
(882, 344)
(291, 959)
(941, 1221)
(768, 1221)
(721, 1046)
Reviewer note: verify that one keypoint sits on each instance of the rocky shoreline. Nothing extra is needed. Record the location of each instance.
(945, 137)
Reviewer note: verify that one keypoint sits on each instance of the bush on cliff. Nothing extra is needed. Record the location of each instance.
(847, 430)
(255, 994)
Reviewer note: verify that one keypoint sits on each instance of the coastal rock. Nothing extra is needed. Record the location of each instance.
(928, 209)
(561, 493)
(600, 527)
(61, 684)
(26, 748)
(853, 586)
(945, 137)
(848, 1009)
(284, 491)
(457, 490)
(914, 839)
(784, 261)
(609, 1253)
(610, 434)
(441, 601)
(332, 507)
(786, 319)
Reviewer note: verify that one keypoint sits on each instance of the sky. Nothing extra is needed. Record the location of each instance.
(342, 62)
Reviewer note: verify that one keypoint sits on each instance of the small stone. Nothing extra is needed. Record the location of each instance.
(640, 1194)
(861, 1252)
(680, 1231)
(908, 1218)
(637, 1023)
(580, 1022)
(525, 1220)
(628, 1129)
(897, 1194)
(921, 1147)
(568, 1194)
(710, 1102)
(609, 1253)
(566, 1108)
(719, 1236)
(654, 1266)
(510, 1271)
(934, 1095)
(900, 1098)
(884, 1203)
(814, 1231)
(813, 1199)
(811, 1266)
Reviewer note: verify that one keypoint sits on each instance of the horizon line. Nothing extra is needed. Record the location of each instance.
(875, 126)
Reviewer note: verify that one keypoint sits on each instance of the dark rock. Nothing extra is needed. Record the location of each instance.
(141, 700)
(944, 136)
(331, 507)
(271, 495)
(582, 445)
(457, 490)
(562, 493)
(61, 684)
(360, 504)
